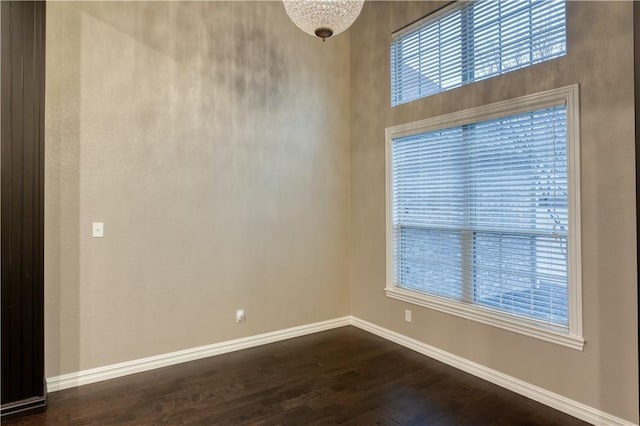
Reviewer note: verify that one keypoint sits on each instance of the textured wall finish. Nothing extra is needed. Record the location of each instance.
(600, 59)
(213, 143)
(232, 170)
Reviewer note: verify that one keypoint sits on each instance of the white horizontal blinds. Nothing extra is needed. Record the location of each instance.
(508, 35)
(429, 211)
(474, 41)
(480, 214)
(427, 60)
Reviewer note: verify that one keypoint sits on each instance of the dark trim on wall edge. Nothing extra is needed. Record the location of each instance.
(22, 62)
(25, 407)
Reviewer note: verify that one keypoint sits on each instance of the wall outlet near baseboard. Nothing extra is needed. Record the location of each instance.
(407, 315)
(240, 315)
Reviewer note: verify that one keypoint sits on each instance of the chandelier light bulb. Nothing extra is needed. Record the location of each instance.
(323, 18)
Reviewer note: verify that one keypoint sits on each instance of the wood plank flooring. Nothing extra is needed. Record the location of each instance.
(342, 376)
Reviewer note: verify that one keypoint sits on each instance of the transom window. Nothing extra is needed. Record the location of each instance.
(483, 213)
(472, 41)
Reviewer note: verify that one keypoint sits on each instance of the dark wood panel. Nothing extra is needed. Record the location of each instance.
(28, 214)
(22, 233)
(14, 231)
(39, 157)
(342, 376)
(5, 178)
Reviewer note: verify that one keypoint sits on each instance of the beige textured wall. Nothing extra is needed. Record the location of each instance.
(213, 142)
(600, 59)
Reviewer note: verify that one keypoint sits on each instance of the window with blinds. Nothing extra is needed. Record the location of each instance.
(482, 210)
(472, 41)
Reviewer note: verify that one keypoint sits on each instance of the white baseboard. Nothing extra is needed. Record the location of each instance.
(536, 393)
(93, 375)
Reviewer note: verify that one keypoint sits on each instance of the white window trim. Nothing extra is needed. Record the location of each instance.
(571, 337)
(438, 15)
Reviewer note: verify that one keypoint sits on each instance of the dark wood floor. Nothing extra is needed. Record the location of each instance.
(342, 376)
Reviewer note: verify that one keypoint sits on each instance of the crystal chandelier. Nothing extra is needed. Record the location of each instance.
(323, 18)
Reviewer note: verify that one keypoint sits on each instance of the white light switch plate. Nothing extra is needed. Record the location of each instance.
(98, 230)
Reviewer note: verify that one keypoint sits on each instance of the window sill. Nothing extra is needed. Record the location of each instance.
(489, 317)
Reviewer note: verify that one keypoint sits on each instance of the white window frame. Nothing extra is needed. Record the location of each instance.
(434, 18)
(570, 336)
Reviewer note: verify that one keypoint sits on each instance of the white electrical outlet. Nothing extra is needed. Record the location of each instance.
(240, 315)
(407, 315)
(98, 230)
